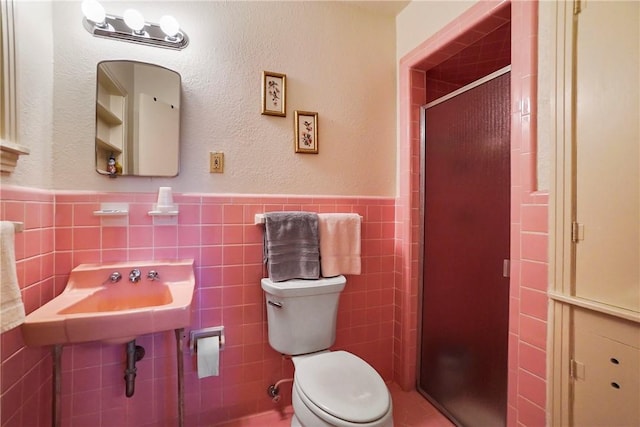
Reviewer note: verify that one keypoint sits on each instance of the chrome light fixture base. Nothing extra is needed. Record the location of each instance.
(114, 27)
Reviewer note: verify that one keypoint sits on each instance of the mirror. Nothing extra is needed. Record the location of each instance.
(137, 119)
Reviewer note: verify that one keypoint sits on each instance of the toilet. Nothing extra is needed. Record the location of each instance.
(330, 388)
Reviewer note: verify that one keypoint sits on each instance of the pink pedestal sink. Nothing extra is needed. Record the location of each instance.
(93, 308)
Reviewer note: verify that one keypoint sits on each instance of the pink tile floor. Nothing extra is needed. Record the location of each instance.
(409, 410)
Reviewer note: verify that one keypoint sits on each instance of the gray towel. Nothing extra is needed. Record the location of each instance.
(291, 245)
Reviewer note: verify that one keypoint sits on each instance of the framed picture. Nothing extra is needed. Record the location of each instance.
(274, 86)
(306, 125)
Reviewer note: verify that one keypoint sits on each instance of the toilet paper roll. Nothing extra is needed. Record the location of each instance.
(208, 356)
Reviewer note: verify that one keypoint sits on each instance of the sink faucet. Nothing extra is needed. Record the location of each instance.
(115, 277)
(134, 275)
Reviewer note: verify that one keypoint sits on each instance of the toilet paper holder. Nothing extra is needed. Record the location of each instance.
(197, 334)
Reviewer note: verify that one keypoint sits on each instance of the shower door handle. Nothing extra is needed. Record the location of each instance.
(506, 267)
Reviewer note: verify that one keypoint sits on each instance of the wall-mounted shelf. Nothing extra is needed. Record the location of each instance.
(111, 113)
(111, 212)
(108, 146)
(163, 213)
(165, 216)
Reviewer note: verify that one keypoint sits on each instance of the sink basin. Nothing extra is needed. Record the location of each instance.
(92, 308)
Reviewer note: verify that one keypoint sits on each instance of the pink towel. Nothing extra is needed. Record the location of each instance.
(339, 244)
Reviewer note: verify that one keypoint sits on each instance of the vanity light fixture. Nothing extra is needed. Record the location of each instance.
(132, 27)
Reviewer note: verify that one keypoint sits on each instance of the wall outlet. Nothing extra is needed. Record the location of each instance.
(216, 162)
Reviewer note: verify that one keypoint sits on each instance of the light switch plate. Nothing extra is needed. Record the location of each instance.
(216, 162)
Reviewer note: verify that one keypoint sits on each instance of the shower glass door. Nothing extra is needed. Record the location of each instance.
(465, 298)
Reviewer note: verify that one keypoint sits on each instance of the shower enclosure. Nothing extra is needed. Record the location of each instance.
(465, 285)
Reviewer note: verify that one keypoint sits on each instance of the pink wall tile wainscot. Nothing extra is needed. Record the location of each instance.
(25, 373)
(529, 237)
(219, 233)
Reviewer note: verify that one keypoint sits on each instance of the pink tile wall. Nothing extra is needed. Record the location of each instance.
(25, 374)
(529, 211)
(218, 232)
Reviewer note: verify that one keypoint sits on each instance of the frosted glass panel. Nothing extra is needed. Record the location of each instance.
(465, 295)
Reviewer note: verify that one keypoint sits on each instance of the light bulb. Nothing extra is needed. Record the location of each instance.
(134, 20)
(93, 11)
(169, 26)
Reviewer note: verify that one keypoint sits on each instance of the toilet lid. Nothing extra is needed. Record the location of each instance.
(344, 386)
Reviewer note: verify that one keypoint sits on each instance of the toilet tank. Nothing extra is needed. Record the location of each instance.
(301, 314)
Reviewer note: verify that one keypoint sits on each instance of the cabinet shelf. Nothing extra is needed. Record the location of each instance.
(108, 146)
(107, 115)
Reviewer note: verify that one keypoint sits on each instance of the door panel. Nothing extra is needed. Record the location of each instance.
(607, 153)
(466, 239)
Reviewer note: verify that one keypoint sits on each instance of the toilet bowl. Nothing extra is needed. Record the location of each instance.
(330, 388)
(339, 389)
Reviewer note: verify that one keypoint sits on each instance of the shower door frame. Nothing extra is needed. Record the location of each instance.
(421, 225)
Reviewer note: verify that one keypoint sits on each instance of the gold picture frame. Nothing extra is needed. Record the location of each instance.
(306, 132)
(274, 94)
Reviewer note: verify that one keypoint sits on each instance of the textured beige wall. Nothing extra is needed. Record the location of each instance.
(34, 91)
(423, 18)
(339, 62)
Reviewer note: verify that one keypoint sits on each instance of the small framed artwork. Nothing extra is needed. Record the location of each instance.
(274, 87)
(306, 127)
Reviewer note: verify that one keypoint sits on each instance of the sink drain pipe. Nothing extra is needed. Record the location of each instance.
(134, 354)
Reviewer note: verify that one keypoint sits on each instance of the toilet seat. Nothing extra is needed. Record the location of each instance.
(339, 385)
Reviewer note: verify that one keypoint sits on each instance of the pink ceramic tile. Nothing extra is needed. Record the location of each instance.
(32, 271)
(86, 238)
(140, 254)
(532, 388)
(63, 239)
(211, 214)
(139, 214)
(530, 414)
(189, 214)
(533, 331)
(83, 214)
(535, 218)
(232, 234)
(11, 404)
(86, 257)
(32, 239)
(114, 237)
(233, 214)
(31, 298)
(165, 253)
(533, 359)
(32, 215)
(534, 247)
(232, 275)
(165, 235)
(140, 237)
(535, 275)
(11, 370)
(211, 234)
(47, 242)
(533, 303)
(14, 211)
(188, 235)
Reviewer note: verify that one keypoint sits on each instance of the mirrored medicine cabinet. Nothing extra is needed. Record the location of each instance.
(137, 119)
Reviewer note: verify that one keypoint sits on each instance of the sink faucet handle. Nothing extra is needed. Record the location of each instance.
(134, 275)
(153, 275)
(115, 277)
